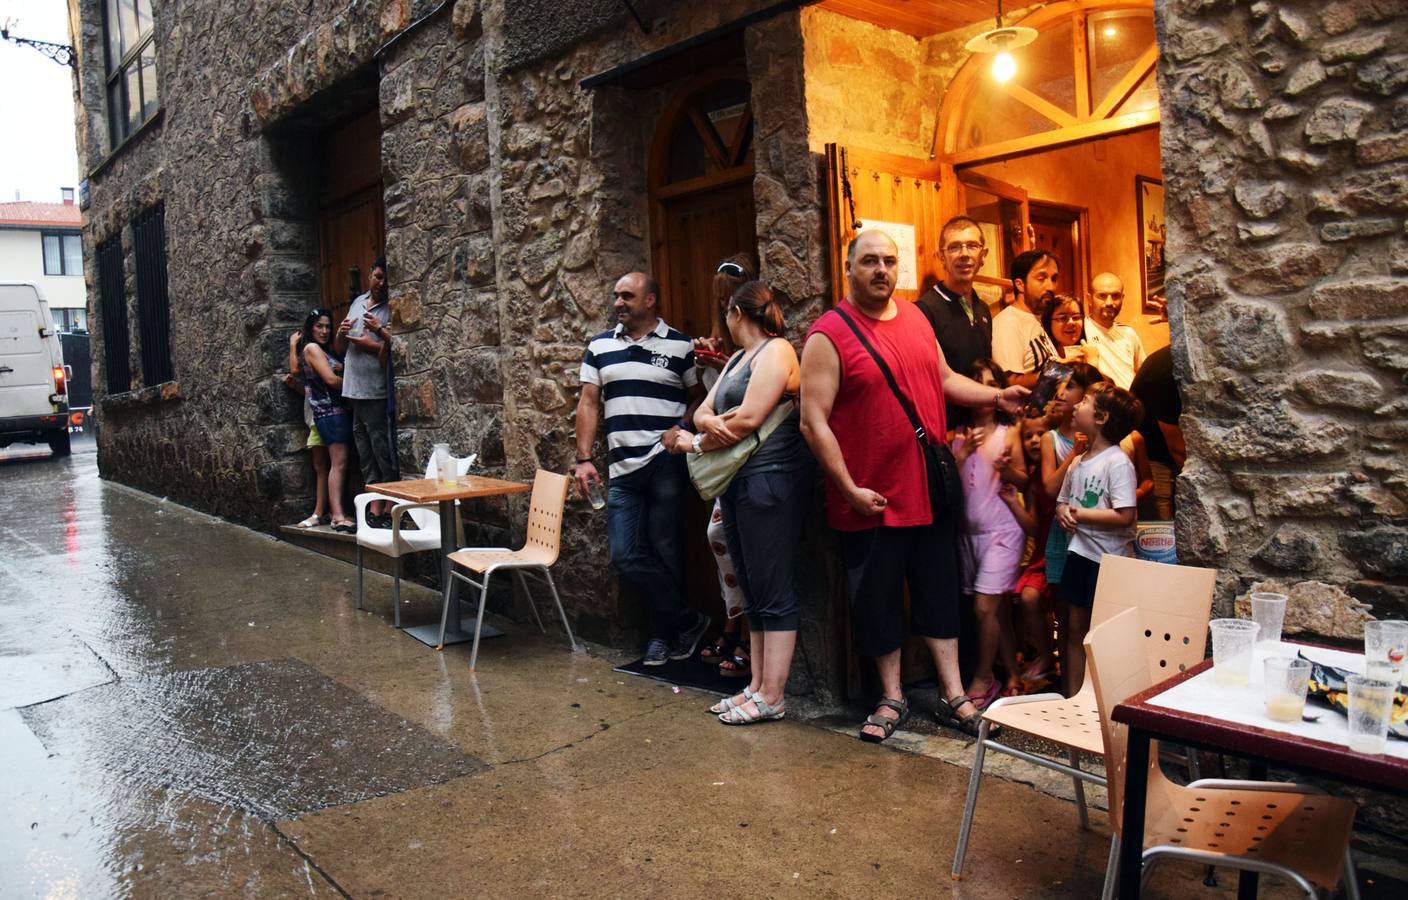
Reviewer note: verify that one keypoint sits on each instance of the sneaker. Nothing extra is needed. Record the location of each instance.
(657, 653)
(689, 639)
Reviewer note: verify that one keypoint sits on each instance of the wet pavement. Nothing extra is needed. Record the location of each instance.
(189, 708)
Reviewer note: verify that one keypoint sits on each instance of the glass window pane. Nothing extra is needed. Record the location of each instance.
(150, 99)
(1047, 66)
(53, 263)
(144, 16)
(117, 113)
(133, 90)
(114, 35)
(688, 156)
(1116, 39)
(73, 254)
(127, 24)
(1145, 97)
(996, 117)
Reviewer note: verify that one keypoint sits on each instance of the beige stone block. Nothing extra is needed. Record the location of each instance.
(1360, 298)
(1313, 607)
(1330, 388)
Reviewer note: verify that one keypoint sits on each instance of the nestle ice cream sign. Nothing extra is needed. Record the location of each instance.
(1154, 542)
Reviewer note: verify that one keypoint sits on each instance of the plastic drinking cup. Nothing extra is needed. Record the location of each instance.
(444, 470)
(1286, 681)
(1385, 646)
(1370, 704)
(1232, 643)
(1268, 612)
(596, 496)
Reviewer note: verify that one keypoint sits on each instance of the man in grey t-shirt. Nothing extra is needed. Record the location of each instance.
(364, 339)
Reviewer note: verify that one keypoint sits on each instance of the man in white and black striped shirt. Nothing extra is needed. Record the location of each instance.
(643, 372)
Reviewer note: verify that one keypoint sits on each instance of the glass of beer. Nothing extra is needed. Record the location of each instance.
(1286, 681)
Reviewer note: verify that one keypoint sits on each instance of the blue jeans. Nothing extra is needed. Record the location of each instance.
(643, 529)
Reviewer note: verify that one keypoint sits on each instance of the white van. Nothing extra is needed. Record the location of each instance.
(33, 383)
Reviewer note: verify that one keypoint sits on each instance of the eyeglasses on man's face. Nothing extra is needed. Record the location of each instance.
(963, 247)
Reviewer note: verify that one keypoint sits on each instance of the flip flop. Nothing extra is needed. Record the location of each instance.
(983, 700)
(310, 522)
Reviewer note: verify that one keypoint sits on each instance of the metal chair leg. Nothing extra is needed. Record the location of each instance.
(479, 620)
(396, 590)
(571, 641)
(1074, 756)
(1195, 768)
(528, 595)
(445, 608)
(1112, 868)
(359, 576)
(972, 802)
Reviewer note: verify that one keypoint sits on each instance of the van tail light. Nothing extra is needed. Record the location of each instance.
(60, 388)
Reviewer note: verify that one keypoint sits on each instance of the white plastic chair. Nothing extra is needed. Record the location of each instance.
(394, 542)
(538, 554)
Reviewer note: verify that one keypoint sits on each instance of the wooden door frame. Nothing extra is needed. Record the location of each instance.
(657, 165)
(1007, 191)
(1079, 216)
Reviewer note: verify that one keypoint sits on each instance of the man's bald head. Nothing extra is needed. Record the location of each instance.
(872, 266)
(1106, 298)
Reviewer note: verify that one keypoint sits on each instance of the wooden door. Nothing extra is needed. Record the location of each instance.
(897, 194)
(1003, 212)
(352, 215)
(1060, 230)
(700, 230)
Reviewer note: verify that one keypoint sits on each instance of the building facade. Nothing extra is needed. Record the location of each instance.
(514, 158)
(43, 243)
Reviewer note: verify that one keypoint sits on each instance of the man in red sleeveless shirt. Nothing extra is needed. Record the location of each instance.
(877, 494)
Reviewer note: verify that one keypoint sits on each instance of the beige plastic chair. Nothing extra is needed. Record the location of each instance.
(1289, 830)
(538, 554)
(1176, 600)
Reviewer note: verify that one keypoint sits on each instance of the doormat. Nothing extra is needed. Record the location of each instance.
(692, 672)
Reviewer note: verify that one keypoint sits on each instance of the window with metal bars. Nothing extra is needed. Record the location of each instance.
(113, 302)
(153, 307)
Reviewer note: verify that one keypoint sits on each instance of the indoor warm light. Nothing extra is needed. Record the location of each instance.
(1004, 67)
(1110, 31)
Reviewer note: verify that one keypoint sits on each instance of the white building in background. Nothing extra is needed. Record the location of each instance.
(42, 243)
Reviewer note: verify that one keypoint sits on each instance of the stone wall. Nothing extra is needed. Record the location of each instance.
(1287, 185)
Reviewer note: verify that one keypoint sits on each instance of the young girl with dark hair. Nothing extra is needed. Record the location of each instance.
(1064, 322)
(996, 525)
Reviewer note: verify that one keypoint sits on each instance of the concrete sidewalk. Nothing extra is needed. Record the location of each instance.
(189, 708)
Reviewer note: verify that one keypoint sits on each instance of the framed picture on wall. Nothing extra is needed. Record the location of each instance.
(1152, 233)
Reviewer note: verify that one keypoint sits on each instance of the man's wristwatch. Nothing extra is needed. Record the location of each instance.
(698, 437)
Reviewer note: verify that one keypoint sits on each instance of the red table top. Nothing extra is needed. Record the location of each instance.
(1384, 773)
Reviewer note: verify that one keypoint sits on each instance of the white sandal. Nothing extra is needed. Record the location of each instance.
(726, 704)
(766, 713)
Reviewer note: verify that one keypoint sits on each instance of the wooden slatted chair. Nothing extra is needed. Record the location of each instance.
(538, 554)
(1177, 600)
(1288, 830)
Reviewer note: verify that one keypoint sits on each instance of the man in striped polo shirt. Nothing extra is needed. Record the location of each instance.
(643, 371)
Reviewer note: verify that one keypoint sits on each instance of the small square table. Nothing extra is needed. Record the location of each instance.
(1234, 721)
(432, 490)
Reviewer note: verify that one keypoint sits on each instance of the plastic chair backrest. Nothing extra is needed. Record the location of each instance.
(545, 516)
(1119, 668)
(1175, 602)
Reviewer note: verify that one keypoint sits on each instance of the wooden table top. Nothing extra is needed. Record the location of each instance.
(431, 490)
(1386, 773)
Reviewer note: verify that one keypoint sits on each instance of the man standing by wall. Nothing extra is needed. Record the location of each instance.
(877, 492)
(364, 340)
(643, 372)
(960, 318)
(1121, 352)
(1019, 344)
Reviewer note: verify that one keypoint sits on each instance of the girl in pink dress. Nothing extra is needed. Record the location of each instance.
(996, 524)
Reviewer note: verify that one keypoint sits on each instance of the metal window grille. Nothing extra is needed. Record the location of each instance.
(153, 307)
(116, 343)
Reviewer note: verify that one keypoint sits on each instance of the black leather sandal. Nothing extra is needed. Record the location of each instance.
(886, 724)
(947, 715)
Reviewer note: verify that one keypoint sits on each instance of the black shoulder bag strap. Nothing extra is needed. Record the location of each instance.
(945, 488)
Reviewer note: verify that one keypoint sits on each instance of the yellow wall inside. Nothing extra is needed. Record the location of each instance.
(1098, 175)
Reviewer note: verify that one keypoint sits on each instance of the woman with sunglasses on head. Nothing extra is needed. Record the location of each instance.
(332, 417)
(731, 651)
(766, 500)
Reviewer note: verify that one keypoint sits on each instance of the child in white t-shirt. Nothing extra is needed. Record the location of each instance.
(1098, 507)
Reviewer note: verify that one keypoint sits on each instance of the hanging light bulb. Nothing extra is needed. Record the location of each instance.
(1001, 41)
(1004, 67)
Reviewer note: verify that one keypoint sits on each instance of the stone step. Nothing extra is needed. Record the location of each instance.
(335, 544)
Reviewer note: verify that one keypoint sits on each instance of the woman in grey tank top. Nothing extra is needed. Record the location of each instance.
(765, 503)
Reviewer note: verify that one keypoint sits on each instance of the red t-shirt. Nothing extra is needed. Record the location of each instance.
(877, 441)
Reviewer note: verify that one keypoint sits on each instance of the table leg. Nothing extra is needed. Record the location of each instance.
(1248, 882)
(1132, 832)
(457, 630)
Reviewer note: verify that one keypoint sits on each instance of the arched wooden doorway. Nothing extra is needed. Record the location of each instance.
(701, 210)
(701, 193)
